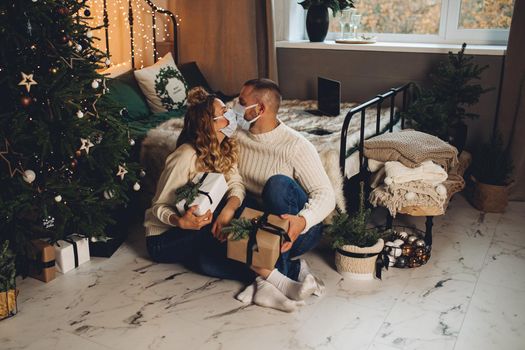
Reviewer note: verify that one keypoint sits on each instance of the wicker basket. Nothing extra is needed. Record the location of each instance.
(358, 268)
(489, 198)
(8, 303)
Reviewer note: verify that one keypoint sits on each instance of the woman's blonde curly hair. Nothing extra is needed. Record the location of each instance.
(198, 131)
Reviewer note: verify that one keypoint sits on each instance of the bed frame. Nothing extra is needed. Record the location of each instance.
(376, 102)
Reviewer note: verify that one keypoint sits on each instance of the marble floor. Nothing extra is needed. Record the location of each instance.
(469, 296)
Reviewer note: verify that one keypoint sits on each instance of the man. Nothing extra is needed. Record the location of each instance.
(282, 171)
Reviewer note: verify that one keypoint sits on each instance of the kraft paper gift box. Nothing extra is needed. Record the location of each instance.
(43, 265)
(267, 242)
(212, 188)
(71, 252)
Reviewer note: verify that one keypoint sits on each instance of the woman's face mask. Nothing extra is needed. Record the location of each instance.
(240, 111)
(229, 129)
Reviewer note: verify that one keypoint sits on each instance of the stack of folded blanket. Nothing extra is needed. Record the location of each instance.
(412, 169)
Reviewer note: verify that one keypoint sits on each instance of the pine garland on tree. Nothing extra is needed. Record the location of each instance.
(63, 144)
(7, 268)
(452, 90)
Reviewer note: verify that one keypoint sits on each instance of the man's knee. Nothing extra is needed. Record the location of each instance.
(275, 187)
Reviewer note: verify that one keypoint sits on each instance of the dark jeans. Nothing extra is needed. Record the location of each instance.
(281, 195)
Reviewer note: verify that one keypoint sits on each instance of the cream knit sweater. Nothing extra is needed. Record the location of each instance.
(180, 168)
(285, 151)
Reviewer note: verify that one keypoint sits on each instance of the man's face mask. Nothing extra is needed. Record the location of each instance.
(240, 111)
(229, 129)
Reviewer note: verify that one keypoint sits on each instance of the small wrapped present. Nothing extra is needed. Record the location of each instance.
(256, 237)
(42, 266)
(205, 190)
(71, 252)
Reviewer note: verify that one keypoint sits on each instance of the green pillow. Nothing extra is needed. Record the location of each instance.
(124, 94)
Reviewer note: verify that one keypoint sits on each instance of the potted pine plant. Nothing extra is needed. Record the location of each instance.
(356, 245)
(491, 170)
(440, 110)
(8, 293)
(317, 19)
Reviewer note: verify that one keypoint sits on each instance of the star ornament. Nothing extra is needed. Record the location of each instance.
(27, 81)
(86, 145)
(12, 158)
(121, 172)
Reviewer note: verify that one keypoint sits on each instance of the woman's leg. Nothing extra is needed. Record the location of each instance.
(176, 245)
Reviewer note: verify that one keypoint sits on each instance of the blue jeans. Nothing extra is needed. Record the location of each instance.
(281, 195)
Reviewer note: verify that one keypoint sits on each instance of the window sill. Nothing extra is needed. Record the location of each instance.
(490, 50)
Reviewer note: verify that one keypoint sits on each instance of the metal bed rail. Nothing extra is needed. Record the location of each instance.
(377, 101)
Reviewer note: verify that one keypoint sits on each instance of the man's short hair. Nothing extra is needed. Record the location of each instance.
(267, 91)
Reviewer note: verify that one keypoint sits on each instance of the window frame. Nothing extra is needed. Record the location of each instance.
(449, 31)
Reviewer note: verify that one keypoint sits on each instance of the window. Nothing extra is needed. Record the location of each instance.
(446, 21)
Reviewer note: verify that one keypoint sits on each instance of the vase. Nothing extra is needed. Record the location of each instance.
(317, 21)
(489, 198)
(358, 268)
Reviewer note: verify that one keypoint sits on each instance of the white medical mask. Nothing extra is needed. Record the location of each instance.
(229, 129)
(240, 110)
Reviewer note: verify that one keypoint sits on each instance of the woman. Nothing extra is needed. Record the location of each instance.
(201, 147)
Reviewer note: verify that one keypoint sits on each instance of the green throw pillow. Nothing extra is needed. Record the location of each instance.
(124, 94)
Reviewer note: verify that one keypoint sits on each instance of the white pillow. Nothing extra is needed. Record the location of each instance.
(163, 85)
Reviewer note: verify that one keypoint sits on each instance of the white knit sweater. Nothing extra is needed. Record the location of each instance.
(285, 151)
(180, 169)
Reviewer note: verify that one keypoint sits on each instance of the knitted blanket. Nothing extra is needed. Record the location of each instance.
(411, 148)
(428, 172)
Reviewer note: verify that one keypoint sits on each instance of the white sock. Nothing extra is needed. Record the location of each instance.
(246, 296)
(305, 271)
(292, 289)
(268, 295)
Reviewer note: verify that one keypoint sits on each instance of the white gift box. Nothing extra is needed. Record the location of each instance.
(211, 191)
(71, 252)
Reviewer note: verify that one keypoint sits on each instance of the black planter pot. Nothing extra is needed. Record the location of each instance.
(457, 136)
(317, 23)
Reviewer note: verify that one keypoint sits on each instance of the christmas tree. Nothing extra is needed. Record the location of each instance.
(63, 143)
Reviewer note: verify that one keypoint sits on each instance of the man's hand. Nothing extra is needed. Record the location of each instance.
(190, 221)
(224, 219)
(297, 225)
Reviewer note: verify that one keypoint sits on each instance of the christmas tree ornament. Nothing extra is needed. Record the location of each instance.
(48, 222)
(136, 186)
(411, 239)
(89, 34)
(11, 157)
(27, 81)
(86, 145)
(64, 39)
(401, 262)
(78, 47)
(29, 176)
(87, 13)
(80, 115)
(25, 101)
(407, 249)
(78, 153)
(413, 262)
(399, 242)
(142, 173)
(94, 84)
(108, 62)
(403, 235)
(419, 243)
(132, 142)
(62, 11)
(58, 198)
(74, 163)
(419, 251)
(53, 70)
(121, 172)
(108, 194)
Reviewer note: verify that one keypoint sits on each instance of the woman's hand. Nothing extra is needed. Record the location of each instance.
(297, 225)
(224, 219)
(190, 221)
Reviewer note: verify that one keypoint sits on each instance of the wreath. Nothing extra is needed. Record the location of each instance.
(161, 81)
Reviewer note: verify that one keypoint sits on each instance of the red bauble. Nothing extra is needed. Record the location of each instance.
(74, 163)
(25, 101)
(64, 39)
(78, 153)
(62, 11)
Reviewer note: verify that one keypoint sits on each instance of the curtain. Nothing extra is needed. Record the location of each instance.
(231, 40)
(511, 116)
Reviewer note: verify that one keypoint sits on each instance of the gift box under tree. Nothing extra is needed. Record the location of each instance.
(42, 262)
(71, 252)
(256, 237)
(8, 291)
(205, 190)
